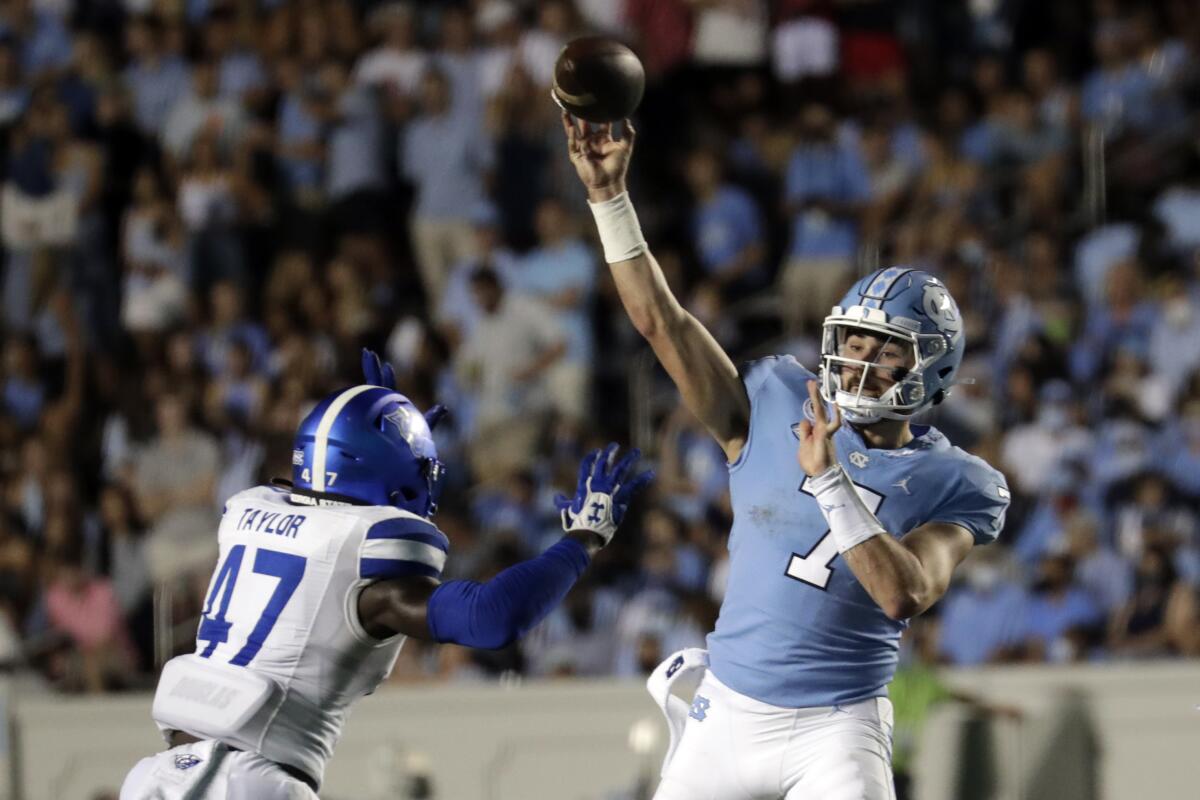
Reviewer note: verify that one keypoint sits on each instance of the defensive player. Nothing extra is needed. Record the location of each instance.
(840, 533)
(319, 584)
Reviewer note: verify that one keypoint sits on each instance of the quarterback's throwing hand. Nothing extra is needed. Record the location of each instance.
(600, 160)
(603, 494)
(817, 453)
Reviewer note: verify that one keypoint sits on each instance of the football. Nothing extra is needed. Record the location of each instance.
(598, 79)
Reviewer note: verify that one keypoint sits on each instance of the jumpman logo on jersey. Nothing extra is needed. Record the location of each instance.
(903, 484)
(595, 515)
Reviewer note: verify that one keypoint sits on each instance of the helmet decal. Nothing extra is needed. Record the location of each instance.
(940, 308)
(321, 438)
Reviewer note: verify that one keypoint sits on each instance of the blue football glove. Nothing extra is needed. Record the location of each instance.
(378, 372)
(603, 494)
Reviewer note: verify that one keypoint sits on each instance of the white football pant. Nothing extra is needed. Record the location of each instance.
(737, 748)
(209, 770)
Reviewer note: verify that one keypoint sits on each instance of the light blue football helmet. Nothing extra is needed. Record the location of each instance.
(905, 306)
(367, 445)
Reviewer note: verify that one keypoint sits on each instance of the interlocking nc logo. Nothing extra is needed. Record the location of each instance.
(699, 708)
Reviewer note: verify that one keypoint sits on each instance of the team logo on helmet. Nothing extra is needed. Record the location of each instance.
(939, 307)
(403, 422)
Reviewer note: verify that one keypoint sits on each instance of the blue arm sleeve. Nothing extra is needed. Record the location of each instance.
(494, 614)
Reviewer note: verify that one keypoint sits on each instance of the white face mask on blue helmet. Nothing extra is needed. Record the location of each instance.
(905, 307)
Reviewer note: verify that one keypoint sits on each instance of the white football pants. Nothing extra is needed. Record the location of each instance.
(737, 748)
(209, 770)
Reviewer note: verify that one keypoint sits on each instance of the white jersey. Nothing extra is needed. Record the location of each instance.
(281, 618)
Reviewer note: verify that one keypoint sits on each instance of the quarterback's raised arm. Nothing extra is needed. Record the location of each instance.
(704, 374)
(497, 612)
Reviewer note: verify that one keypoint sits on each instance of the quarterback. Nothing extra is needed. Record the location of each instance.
(319, 583)
(841, 532)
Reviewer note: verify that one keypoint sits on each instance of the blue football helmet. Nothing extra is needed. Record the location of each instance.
(367, 445)
(900, 305)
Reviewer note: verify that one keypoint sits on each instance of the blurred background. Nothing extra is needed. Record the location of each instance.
(209, 207)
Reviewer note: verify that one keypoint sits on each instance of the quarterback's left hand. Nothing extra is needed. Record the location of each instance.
(603, 494)
(817, 452)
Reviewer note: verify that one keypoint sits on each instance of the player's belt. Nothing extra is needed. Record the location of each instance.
(178, 738)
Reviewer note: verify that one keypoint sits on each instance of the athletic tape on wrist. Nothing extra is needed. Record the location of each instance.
(620, 232)
(850, 521)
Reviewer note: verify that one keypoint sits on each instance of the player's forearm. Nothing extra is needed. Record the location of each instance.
(648, 300)
(893, 576)
(494, 614)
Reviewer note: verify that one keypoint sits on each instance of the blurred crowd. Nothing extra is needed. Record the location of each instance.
(210, 206)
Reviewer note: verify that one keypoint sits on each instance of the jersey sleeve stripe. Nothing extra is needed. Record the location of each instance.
(404, 550)
(410, 529)
(388, 568)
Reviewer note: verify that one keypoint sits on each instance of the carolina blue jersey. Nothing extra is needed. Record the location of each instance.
(797, 629)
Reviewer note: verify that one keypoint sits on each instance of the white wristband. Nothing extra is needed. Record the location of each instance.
(850, 521)
(620, 233)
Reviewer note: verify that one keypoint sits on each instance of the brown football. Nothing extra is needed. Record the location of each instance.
(598, 79)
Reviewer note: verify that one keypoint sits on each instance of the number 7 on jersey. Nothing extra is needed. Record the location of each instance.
(814, 568)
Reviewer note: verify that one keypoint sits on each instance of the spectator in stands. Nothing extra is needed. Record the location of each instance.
(727, 227)
(173, 488)
(1042, 450)
(448, 162)
(1139, 629)
(692, 472)
(826, 186)
(1126, 319)
(1117, 96)
(505, 364)
(1062, 619)
(1099, 569)
(560, 272)
(300, 149)
(241, 75)
(156, 77)
(397, 63)
(45, 44)
(457, 314)
(152, 249)
(209, 209)
(983, 620)
(229, 323)
(84, 607)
